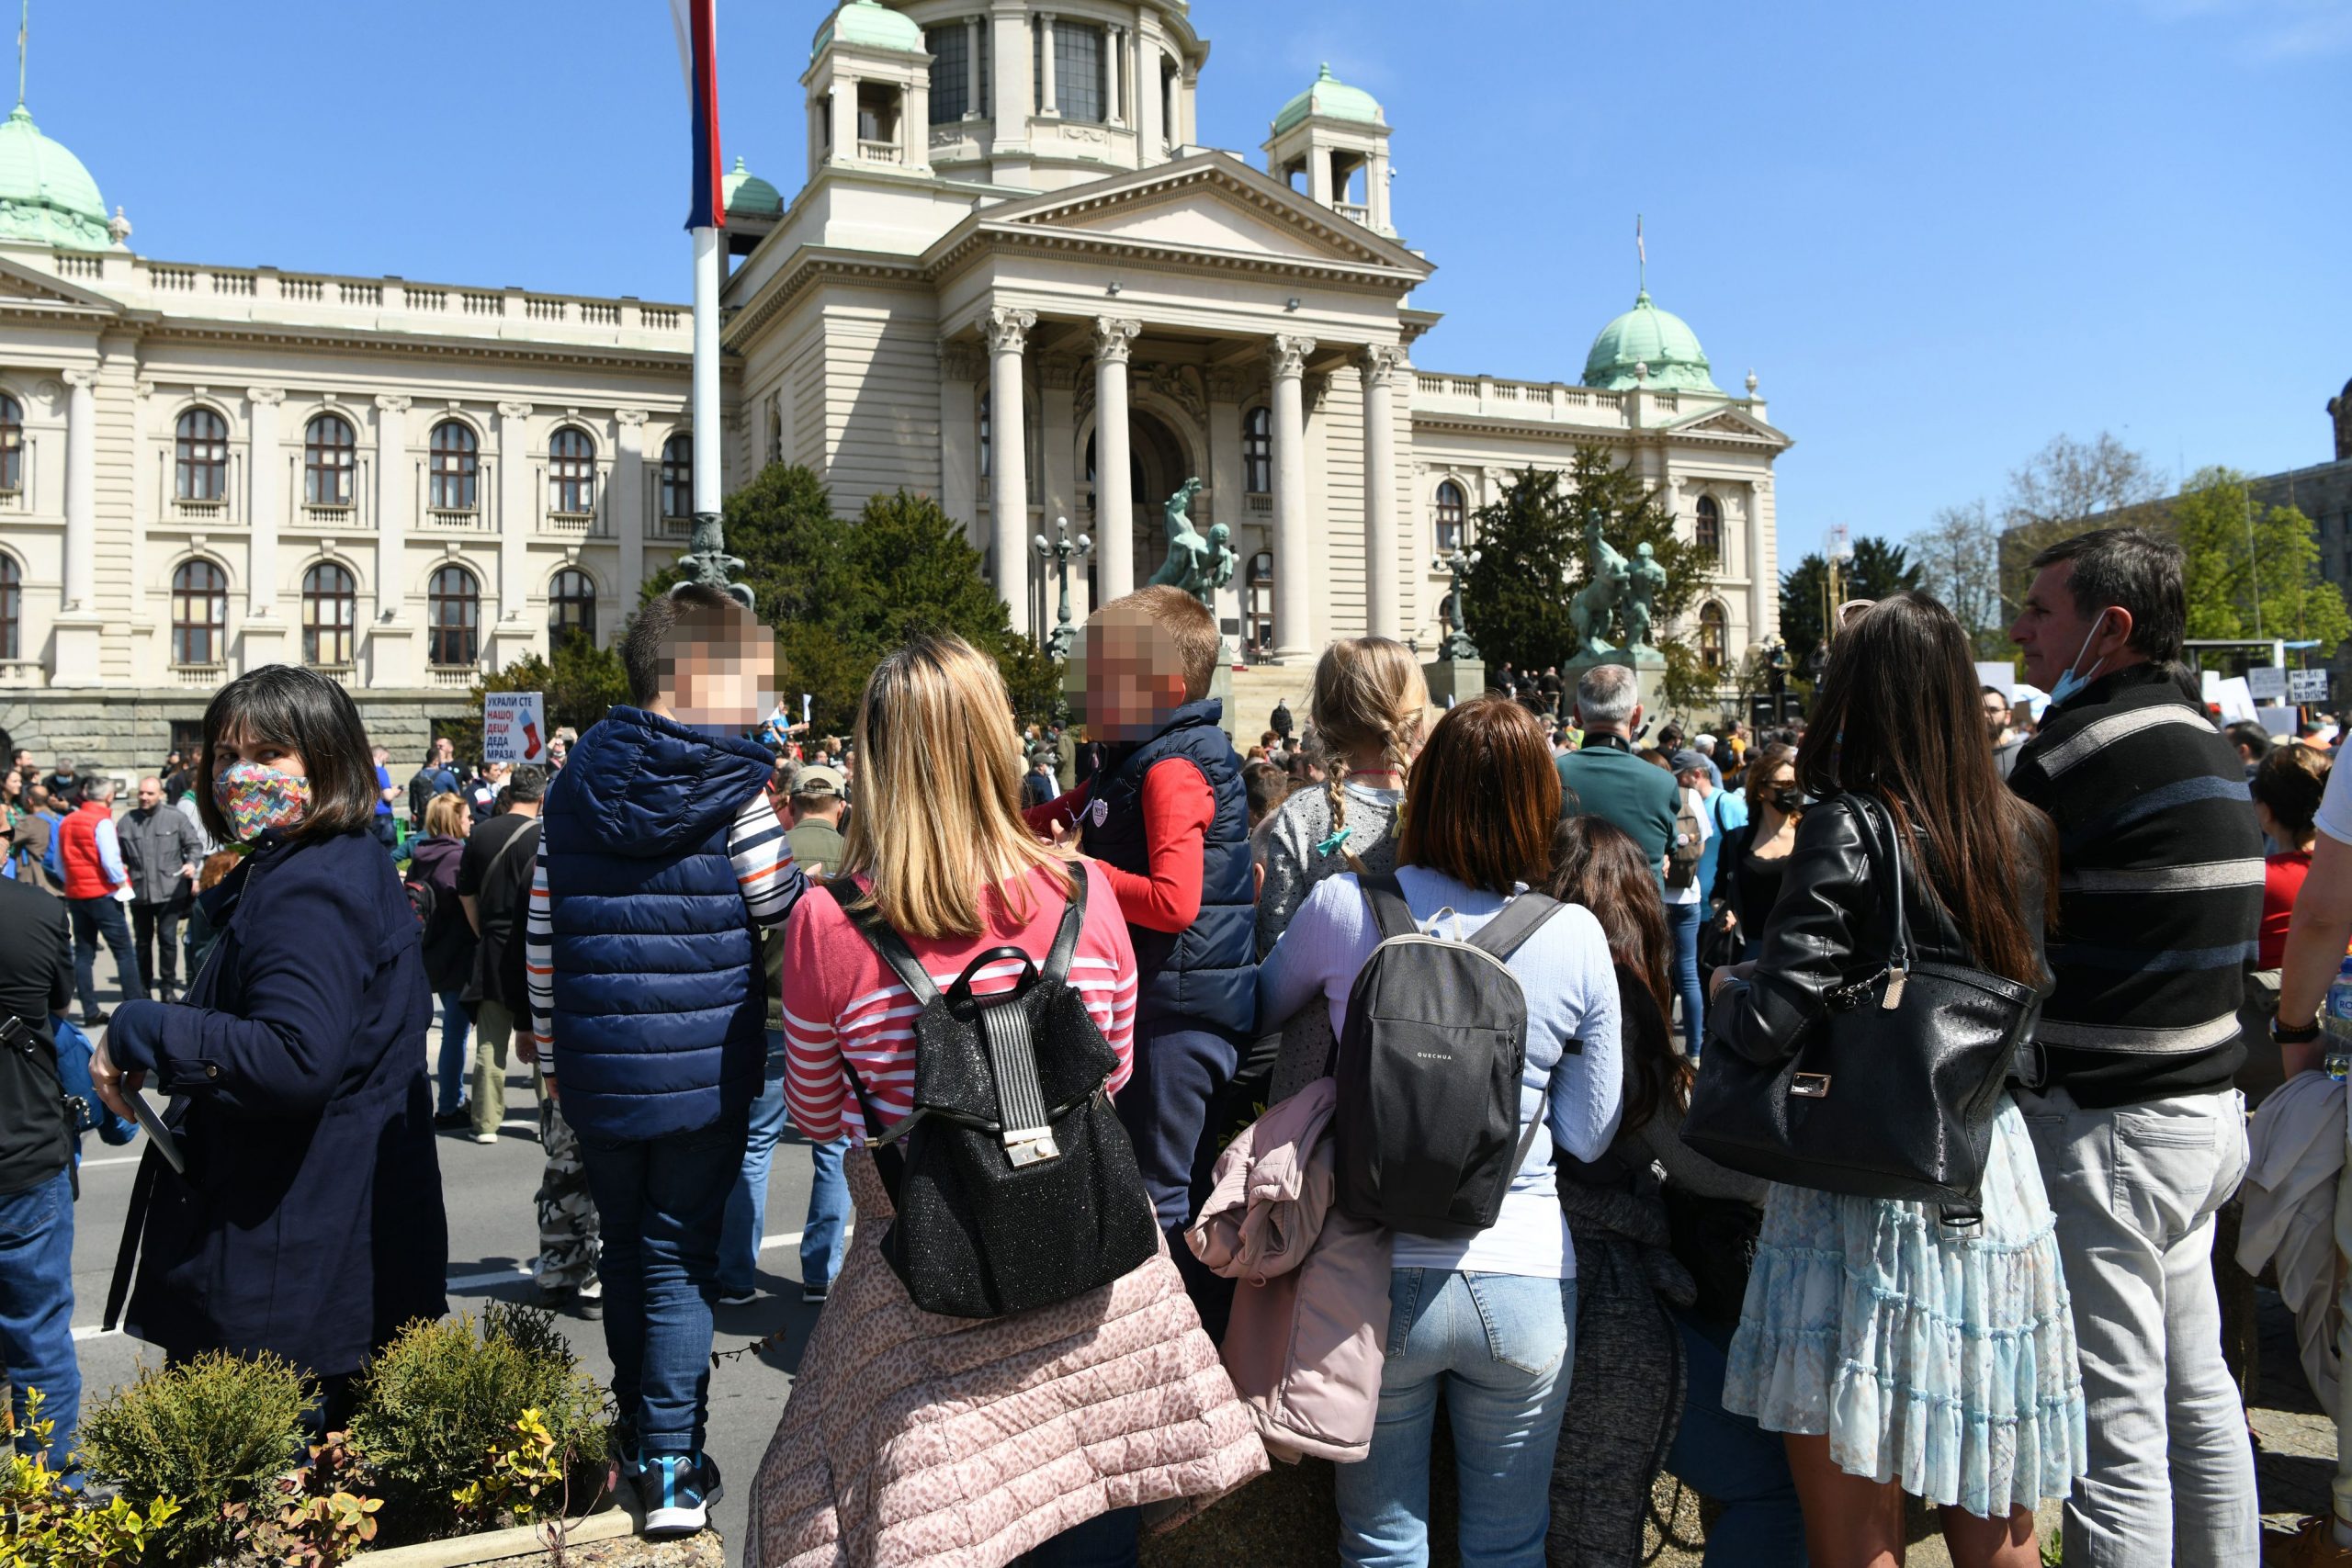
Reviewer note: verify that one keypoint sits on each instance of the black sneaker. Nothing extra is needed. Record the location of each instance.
(815, 1294)
(453, 1120)
(94, 1020)
(676, 1491)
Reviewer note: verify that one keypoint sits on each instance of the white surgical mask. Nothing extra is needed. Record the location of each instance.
(2074, 680)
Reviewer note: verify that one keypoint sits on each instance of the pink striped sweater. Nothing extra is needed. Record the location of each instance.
(841, 999)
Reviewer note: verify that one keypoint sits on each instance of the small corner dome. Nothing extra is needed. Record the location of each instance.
(1330, 98)
(748, 196)
(46, 196)
(1657, 339)
(868, 24)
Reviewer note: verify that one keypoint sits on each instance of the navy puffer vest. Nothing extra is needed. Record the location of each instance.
(1207, 971)
(659, 1023)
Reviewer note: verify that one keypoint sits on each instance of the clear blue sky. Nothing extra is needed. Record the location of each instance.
(1939, 234)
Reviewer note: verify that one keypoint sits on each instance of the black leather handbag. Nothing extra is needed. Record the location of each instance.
(1889, 1094)
(1015, 1184)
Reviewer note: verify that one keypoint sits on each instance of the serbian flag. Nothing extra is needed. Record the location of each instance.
(696, 24)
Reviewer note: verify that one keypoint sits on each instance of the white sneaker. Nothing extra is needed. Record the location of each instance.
(485, 1137)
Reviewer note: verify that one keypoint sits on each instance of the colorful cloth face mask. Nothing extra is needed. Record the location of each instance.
(255, 799)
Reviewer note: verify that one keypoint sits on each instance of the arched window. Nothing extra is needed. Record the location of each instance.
(453, 609)
(572, 473)
(200, 444)
(1453, 513)
(1708, 531)
(329, 450)
(12, 607)
(199, 611)
(678, 476)
(12, 445)
(571, 604)
(330, 610)
(1258, 452)
(1715, 635)
(1259, 603)
(454, 466)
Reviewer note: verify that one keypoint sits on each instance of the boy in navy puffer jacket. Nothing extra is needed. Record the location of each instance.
(659, 860)
(1169, 817)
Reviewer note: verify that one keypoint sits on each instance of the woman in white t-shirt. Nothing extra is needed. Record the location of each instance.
(1487, 1323)
(1686, 907)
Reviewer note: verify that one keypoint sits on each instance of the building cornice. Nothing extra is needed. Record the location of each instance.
(164, 329)
(813, 265)
(1584, 434)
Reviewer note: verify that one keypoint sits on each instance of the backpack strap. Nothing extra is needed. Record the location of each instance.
(1514, 923)
(1385, 895)
(1064, 948)
(886, 943)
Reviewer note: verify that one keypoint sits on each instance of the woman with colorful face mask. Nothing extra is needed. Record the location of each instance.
(1747, 876)
(307, 1219)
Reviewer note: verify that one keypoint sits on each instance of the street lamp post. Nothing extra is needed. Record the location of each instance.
(1061, 550)
(1457, 645)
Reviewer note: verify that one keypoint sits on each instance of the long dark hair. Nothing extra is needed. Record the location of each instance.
(1896, 716)
(1597, 865)
(305, 712)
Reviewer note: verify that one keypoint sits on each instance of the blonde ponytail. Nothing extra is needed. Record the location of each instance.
(1369, 695)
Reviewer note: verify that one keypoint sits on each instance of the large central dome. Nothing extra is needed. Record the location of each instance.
(46, 196)
(1659, 341)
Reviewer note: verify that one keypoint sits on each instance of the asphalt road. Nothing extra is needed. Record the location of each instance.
(494, 1236)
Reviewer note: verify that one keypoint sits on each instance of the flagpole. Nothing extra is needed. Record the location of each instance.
(705, 560)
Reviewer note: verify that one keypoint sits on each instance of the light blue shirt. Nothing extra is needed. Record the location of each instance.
(1729, 811)
(1570, 986)
(110, 853)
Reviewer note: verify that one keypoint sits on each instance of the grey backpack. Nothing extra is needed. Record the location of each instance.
(1426, 1128)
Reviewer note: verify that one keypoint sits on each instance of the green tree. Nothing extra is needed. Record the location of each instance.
(579, 679)
(2251, 570)
(1876, 568)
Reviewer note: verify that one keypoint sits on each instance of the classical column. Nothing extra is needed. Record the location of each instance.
(844, 112)
(1151, 130)
(1008, 62)
(1384, 615)
(1114, 77)
(628, 501)
(389, 649)
(959, 436)
(1294, 567)
(1114, 501)
(263, 505)
(1046, 102)
(81, 492)
(1008, 333)
(973, 97)
(516, 515)
(1763, 577)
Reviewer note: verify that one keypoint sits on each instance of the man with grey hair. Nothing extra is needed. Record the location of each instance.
(1605, 778)
(90, 858)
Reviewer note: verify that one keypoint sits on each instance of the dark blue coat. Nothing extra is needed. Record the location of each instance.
(1206, 973)
(659, 1022)
(309, 1222)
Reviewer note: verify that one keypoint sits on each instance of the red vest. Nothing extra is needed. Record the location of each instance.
(77, 851)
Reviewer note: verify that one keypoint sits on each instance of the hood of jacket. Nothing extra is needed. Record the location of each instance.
(648, 787)
(435, 859)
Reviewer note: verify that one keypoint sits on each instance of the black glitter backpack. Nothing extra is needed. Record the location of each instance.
(1015, 1184)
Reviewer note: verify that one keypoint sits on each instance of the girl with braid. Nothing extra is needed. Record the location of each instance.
(1367, 717)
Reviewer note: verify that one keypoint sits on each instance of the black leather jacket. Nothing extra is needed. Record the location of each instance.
(1829, 930)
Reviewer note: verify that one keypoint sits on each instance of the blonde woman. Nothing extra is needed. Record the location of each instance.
(448, 951)
(938, 845)
(1367, 714)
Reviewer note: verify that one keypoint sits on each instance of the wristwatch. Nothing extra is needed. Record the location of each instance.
(2294, 1034)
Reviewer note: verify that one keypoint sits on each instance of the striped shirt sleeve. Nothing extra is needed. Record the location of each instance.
(538, 957)
(764, 870)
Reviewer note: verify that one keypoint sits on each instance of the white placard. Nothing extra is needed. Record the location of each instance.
(2279, 722)
(2237, 702)
(2001, 674)
(513, 727)
(2307, 685)
(2268, 682)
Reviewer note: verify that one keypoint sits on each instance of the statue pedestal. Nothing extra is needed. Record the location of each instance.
(1649, 680)
(1454, 679)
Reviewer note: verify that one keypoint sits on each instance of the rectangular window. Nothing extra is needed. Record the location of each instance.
(951, 72)
(1078, 71)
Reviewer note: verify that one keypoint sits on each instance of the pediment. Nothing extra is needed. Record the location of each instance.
(1213, 204)
(21, 285)
(1728, 423)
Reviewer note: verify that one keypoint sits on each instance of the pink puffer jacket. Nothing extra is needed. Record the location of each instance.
(1311, 1313)
(915, 1439)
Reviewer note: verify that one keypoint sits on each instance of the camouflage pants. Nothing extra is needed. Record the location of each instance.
(568, 1242)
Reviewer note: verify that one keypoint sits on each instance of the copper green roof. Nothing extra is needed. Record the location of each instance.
(746, 193)
(1331, 99)
(46, 196)
(1648, 336)
(870, 25)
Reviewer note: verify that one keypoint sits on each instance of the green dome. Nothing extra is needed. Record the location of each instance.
(749, 195)
(870, 25)
(1646, 336)
(46, 196)
(1333, 99)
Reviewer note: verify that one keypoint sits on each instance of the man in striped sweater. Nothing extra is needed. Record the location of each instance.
(2140, 1134)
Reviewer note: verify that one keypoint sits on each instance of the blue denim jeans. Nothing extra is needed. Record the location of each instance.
(449, 1066)
(36, 1309)
(658, 1206)
(1106, 1541)
(1498, 1346)
(93, 919)
(822, 1235)
(1731, 1461)
(1682, 923)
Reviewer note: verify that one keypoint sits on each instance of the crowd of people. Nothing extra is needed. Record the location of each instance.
(1199, 1108)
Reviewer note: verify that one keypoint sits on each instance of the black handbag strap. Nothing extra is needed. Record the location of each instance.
(1880, 842)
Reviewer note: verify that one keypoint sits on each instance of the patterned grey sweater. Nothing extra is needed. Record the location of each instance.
(1286, 846)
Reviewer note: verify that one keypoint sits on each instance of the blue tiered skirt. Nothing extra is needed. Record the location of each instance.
(1940, 1358)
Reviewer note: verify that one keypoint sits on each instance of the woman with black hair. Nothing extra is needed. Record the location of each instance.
(308, 1221)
